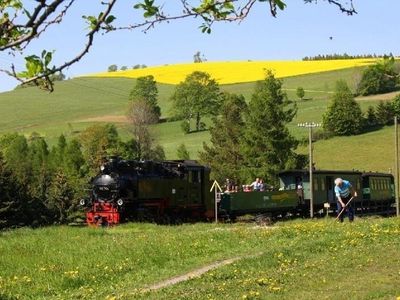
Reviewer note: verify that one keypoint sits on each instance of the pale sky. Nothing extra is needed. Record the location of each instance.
(300, 30)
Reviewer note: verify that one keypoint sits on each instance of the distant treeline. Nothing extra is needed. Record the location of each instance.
(345, 56)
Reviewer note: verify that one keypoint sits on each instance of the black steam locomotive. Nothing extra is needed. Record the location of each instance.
(167, 191)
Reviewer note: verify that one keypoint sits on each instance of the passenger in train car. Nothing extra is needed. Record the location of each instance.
(228, 186)
(255, 185)
(246, 188)
(262, 186)
(344, 192)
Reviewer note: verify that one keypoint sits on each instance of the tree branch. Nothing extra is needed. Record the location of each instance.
(16, 37)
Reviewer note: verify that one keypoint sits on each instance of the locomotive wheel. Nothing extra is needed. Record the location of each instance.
(264, 220)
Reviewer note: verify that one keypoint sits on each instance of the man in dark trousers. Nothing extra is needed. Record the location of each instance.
(344, 191)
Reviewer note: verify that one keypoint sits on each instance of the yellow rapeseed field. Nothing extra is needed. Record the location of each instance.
(236, 72)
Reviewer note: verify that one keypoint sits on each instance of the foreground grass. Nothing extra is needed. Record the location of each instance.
(300, 259)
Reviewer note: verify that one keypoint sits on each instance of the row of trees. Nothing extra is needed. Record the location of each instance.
(114, 67)
(345, 56)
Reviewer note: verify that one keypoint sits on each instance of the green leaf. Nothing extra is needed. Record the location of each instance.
(110, 19)
(280, 4)
(47, 59)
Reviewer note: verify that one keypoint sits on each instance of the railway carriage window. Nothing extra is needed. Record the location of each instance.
(358, 184)
(190, 176)
(315, 184)
(194, 177)
(322, 185)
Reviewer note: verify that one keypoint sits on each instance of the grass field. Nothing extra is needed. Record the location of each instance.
(313, 259)
(81, 102)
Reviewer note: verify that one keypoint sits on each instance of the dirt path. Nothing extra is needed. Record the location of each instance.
(198, 272)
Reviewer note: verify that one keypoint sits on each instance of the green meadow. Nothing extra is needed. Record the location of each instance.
(302, 259)
(81, 102)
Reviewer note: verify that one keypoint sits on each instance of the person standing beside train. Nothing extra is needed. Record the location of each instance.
(344, 192)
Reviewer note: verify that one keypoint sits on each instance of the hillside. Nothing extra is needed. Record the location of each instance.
(81, 102)
(238, 71)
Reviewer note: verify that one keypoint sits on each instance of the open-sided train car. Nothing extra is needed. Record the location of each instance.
(269, 203)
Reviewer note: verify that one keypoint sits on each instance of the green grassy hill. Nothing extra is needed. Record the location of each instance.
(313, 259)
(81, 102)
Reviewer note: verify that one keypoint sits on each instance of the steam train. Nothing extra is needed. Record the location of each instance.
(166, 191)
(179, 191)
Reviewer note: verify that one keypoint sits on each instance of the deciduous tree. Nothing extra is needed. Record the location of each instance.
(197, 96)
(141, 116)
(379, 78)
(98, 142)
(300, 92)
(146, 89)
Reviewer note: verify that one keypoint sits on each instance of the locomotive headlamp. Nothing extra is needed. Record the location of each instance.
(120, 202)
(102, 168)
(82, 202)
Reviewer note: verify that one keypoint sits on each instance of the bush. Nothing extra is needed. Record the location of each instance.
(344, 116)
(185, 125)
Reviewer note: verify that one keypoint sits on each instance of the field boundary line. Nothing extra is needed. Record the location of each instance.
(198, 272)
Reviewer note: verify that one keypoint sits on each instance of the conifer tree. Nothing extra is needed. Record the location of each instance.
(73, 159)
(224, 154)
(343, 116)
(371, 120)
(16, 151)
(182, 152)
(268, 145)
(384, 113)
(11, 207)
(38, 157)
(61, 197)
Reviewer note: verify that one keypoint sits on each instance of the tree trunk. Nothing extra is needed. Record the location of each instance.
(197, 121)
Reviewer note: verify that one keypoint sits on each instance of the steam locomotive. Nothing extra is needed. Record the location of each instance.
(166, 191)
(179, 190)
